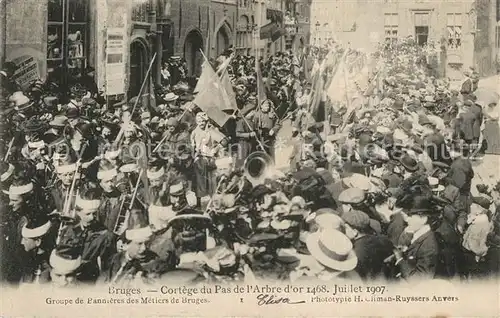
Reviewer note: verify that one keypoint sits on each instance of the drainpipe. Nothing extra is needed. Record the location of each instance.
(3, 41)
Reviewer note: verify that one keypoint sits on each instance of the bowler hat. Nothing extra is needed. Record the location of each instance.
(421, 205)
(409, 163)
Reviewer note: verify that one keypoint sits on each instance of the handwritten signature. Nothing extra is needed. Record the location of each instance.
(265, 299)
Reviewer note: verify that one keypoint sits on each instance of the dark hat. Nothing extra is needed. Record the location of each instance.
(78, 90)
(38, 225)
(417, 148)
(9, 68)
(398, 105)
(482, 188)
(424, 120)
(421, 205)
(259, 191)
(184, 153)
(440, 165)
(34, 125)
(357, 219)
(72, 113)
(262, 237)
(484, 202)
(85, 129)
(409, 163)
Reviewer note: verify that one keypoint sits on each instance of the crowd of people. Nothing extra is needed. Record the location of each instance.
(133, 193)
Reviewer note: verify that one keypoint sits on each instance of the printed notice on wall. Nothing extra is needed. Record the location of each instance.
(115, 61)
(27, 70)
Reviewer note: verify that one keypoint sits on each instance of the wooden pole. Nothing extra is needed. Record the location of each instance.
(146, 79)
(3, 41)
(120, 133)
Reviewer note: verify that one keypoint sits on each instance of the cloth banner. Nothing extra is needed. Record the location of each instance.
(212, 97)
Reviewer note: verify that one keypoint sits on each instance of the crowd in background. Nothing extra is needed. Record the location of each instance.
(378, 186)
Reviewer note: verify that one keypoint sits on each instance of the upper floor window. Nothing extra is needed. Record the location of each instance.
(421, 27)
(454, 26)
(140, 10)
(391, 24)
(67, 37)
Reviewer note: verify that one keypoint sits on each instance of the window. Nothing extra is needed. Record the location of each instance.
(391, 27)
(66, 39)
(454, 26)
(140, 11)
(421, 28)
(244, 33)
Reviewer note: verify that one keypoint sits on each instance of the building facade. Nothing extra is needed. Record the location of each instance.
(126, 42)
(458, 30)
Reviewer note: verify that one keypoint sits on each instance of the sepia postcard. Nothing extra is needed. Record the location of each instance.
(249, 158)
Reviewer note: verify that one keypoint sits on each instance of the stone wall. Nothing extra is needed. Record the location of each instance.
(27, 34)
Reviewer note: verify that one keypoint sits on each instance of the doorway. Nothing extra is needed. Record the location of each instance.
(192, 53)
(222, 40)
(138, 68)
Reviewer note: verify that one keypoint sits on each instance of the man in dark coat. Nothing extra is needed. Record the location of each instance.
(457, 191)
(96, 242)
(38, 239)
(136, 260)
(470, 124)
(467, 86)
(420, 259)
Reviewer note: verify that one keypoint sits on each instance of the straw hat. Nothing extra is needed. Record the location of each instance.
(332, 249)
(170, 97)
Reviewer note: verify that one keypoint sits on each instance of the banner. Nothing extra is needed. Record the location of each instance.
(211, 97)
(267, 31)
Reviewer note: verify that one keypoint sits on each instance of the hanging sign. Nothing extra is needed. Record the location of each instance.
(115, 61)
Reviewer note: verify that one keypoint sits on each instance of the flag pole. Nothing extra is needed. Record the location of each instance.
(139, 97)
